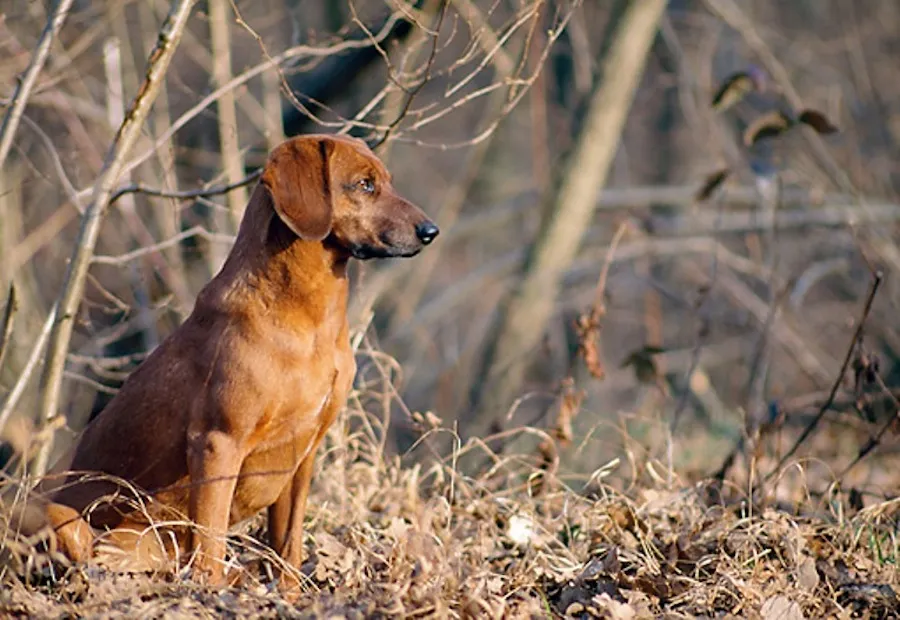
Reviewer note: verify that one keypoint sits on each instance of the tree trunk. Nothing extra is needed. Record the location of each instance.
(522, 317)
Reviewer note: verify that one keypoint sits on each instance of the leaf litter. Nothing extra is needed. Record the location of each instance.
(388, 538)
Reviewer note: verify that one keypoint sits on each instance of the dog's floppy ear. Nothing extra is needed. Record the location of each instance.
(298, 180)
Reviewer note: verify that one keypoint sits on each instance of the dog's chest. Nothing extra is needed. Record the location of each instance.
(292, 424)
(283, 441)
(307, 403)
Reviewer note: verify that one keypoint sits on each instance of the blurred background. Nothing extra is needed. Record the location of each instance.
(663, 223)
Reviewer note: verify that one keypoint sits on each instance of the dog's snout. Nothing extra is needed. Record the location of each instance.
(426, 232)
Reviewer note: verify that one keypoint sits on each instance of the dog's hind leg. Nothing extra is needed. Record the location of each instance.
(74, 536)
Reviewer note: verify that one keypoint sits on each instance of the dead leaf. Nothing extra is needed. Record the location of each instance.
(817, 121)
(521, 530)
(735, 87)
(569, 405)
(767, 126)
(549, 462)
(622, 516)
(641, 604)
(711, 184)
(614, 609)
(588, 329)
(397, 529)
(333, 555)
(807, 575)
(575, 609)
(781, 608)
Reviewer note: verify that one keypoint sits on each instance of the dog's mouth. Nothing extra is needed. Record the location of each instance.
(366, 252)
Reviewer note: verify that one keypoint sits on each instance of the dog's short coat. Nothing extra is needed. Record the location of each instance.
(224, 418)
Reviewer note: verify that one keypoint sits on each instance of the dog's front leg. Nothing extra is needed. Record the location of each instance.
(286, 517)
(287, 513)
(214, 463)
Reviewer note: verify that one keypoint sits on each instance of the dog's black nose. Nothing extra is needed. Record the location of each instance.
(426, 232)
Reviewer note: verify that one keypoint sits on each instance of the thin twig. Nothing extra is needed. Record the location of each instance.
(876, 283)
(73, 287)
(29, 79)
(702, 336)
(255, 114)
(9, 316)
(12, 399)
(599, 307)
(490, 42)
(239, 80)
(187, 194)
(552, 35)
(53, 153)
(876, 440)
(454, 200)
(167, 216)
(590, 324)
(138, 274)
(418, 87)
(196, 231)
(229, 143)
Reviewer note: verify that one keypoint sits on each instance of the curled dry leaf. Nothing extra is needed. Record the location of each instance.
(587, 327)
(767, 126)
(817, 121)
(549, 462)
(711, 184)
(570, 402)
(735, 87)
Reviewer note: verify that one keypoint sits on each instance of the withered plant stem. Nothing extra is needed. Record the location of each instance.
(870, 298)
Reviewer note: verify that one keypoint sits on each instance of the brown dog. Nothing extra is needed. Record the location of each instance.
(224, 418)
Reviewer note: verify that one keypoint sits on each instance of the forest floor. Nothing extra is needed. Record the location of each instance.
(389, 539)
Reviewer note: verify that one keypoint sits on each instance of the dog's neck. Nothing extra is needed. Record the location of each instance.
(281, 269)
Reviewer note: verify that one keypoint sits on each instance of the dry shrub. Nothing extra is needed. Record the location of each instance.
(394, 536)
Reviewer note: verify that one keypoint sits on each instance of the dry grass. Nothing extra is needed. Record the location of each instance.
(396, 536)
(427, 533)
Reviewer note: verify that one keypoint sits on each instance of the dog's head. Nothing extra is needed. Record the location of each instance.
(335, 188)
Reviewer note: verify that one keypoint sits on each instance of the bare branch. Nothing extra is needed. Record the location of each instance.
(187, 194)
(29, 79)
(73, 288)
(839, 379)
(523, 315)
(229, 144)
(37, 349)
(196, 231)
(297, 51)
(732, 14)
(9, 316)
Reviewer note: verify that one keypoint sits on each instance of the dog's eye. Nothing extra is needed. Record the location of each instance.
(366, 185)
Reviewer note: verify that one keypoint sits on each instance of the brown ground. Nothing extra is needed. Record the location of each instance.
(393, 540)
